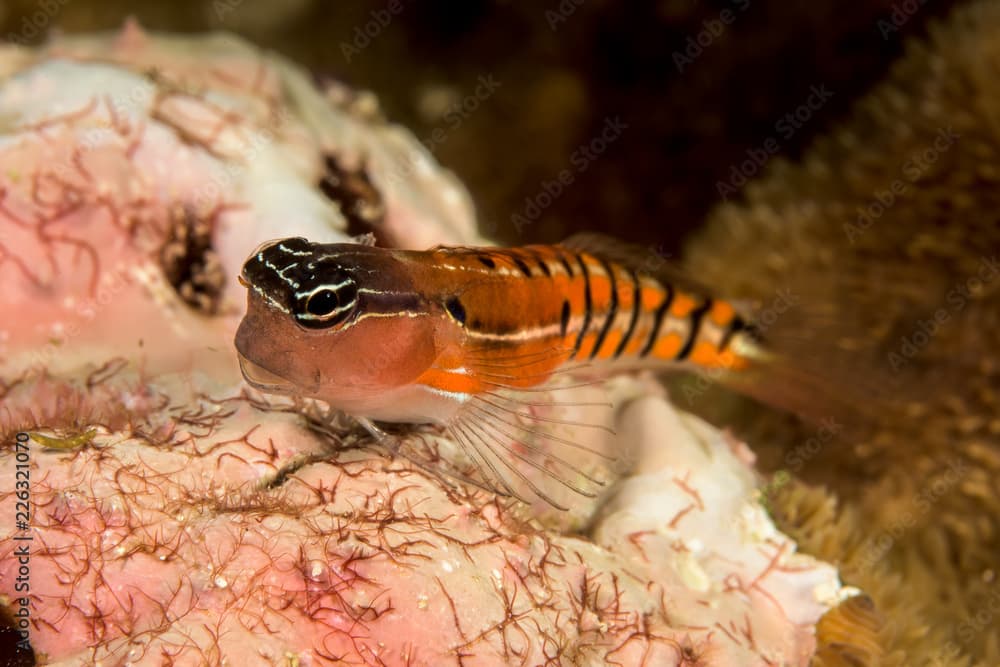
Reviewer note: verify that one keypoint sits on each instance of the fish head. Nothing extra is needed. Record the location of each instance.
(337, 322)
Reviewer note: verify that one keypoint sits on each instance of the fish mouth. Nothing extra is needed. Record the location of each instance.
(259, 377)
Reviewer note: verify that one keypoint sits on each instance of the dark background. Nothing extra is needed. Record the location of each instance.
(565, 69)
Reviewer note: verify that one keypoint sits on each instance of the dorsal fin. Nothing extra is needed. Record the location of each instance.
(646, 261)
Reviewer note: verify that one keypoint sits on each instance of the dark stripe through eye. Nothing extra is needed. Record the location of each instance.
(456, 309)
(329, 307)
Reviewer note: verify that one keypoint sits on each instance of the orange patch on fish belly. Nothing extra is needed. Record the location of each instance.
(668, 346)
(707, 355)
(451, 382)
(610, 344)
(587, 346)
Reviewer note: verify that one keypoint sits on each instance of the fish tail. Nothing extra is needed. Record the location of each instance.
(798, 362)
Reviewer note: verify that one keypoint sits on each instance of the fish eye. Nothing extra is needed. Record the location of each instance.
(326, 307)
(322, 303)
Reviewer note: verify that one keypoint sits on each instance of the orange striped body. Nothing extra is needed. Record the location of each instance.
(402, 335)
(533, 310)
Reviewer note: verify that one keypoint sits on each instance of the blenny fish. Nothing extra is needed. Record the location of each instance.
(442, 336)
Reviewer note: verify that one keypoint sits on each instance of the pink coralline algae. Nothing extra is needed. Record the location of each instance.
(185, 519)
